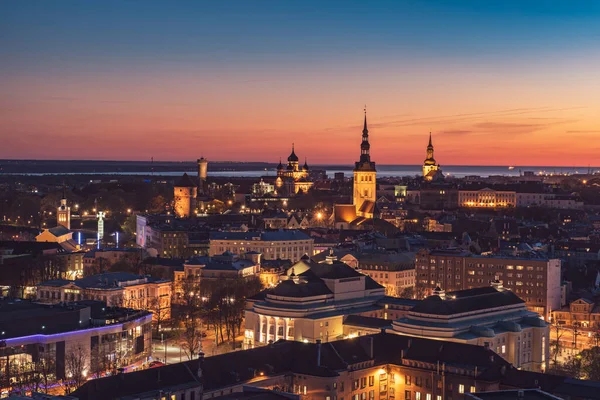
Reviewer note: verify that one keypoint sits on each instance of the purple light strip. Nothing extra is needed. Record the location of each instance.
(41, 336)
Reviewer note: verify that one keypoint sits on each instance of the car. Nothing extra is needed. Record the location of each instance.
(156, 364)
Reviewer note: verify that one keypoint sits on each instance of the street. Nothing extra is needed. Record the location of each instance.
(169, 351)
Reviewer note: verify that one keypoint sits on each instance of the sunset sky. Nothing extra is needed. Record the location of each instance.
(497, 82)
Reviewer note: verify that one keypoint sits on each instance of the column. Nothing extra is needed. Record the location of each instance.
(276, 329)
(268, 320)
(285, 328)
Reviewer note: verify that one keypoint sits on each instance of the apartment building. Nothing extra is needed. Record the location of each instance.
(535, 280)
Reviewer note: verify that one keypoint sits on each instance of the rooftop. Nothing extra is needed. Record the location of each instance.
(529, 394)
(285, 357)
(266, 236)
(20, 318)
(107, 280)
(469, 300)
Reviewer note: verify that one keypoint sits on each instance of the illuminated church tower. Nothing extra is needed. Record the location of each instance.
(364, 179)
(63, 212)
(431, 171)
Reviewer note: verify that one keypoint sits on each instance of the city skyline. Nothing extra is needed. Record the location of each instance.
(500, 83)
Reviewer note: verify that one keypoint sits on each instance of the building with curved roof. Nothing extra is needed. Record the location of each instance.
(491, 316)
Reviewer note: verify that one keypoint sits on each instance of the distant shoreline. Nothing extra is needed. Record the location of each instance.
(250, 169)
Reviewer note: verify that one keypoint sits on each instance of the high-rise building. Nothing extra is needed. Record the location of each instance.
(431, 171)
(365, 183)
(63, 212)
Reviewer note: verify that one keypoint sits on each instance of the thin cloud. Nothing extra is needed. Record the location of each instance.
(456, 132)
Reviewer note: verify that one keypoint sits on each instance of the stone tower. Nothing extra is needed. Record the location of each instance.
(202, 174)
(365, 183)
(63, 212)
(185, 192)
(429, 165)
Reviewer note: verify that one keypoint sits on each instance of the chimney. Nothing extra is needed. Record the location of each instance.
(318, 352)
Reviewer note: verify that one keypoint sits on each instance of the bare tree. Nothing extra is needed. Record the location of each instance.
(76, 362)
(555, 345)
(46, 369)
(191, 317)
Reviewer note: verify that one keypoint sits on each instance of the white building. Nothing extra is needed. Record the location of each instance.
(288, 244)
(310, 303)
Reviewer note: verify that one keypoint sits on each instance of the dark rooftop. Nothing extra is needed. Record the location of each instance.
(529, 394)
(367, 322)
(285, 357)
(467, 300)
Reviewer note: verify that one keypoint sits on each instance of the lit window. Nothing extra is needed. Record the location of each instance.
(461, 388)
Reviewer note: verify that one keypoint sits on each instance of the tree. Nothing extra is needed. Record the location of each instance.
(157, 204)
(407, 293)
(75, 368)
(190, 317)
(590, 363)
(98, 266)
(46, 369)
(555, 345)
(160, 312)
(123, 265)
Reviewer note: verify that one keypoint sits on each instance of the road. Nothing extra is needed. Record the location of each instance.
(171, 349)
(585, 340)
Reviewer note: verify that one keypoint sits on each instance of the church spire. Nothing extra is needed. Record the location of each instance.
(430, 145)
(365, 130)
(365, 146)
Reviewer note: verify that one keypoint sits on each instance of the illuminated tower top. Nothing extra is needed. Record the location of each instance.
(430, 160)
(365, 162)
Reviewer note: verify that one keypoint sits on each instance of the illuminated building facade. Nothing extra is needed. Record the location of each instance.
(63, 212)
(293, 178)
(116, 289)
(365, 179)
(272, 245)
(310, 303)
(487, 198)
(88, 334)
(184, 197)
(431, 171)
(395, 272)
